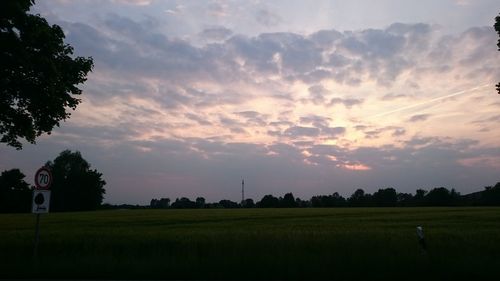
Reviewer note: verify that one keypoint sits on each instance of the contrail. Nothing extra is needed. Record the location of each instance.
(428, 101)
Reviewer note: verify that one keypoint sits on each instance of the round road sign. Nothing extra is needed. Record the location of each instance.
(43, 178)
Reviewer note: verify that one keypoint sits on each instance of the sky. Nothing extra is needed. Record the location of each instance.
(187, 98)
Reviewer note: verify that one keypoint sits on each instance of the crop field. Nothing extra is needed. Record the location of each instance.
(255, 244)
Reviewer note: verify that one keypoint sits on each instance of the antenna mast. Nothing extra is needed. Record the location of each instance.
(242, 191)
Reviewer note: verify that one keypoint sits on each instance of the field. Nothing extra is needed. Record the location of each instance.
(254, 244)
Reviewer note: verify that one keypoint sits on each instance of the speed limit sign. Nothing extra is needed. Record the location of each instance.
(43, 178)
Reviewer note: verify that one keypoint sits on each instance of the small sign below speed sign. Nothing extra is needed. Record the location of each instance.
(43, 178)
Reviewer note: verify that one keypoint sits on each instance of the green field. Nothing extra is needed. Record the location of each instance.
(330, 244)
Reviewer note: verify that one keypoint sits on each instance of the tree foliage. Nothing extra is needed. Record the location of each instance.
(268, 201)
(161, 203)
(75, 187)
(39, 74)
(15, 193)
(387, 197)
(288, 201)
(183, 203)
(497, 28)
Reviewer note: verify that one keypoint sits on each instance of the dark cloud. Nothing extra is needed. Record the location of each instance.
(316, 120)
(492, 119)
(317, 94)
(281, 123)
(480, 44)
(238, 130)
(216, 33)
(422, 141)
(361, 127)
(253, 118)
(399, 132)
(339, 61)
(229, 122)
(249, 114)
(199, 119)
(325, 38)
(347, 102)
(101, 92)
(274, 133)
(391, 97)
(371, 132)
(333, 132)
(299, 131)
(134, 2)
(419, 117)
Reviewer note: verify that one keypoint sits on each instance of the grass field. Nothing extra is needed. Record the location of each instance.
(330, 244)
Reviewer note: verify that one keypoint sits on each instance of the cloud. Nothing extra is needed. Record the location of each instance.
(317, 94)
(299, 131)
(371, 132)
(316, 120)
(216, 33)
(218, 9)
(492, 119)
(134, 2)
(200, 120)
(325, 38)
(333, 132)
(349, 102)
(462, 2)
(191, 115)
(253, 118)
(267, 18)
(391, 97)
(419, 118)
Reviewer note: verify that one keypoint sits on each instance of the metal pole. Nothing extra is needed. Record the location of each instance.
(37, 235)
(242, 191)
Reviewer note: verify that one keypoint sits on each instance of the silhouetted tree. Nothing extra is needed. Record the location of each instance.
(183, 203)
(385, 197)
(38, 76)
(358, 198)
(200, 202)
(420, 194)
(338, 200)
(288, 201)
(153, 203)
(497, 28)
(268, 201)
(15, 194)
(441, 196)
(334, 200)
(491, 196)
(248, 203)
(405, 199)
(162, 203)
(75, 187)
(302, 203)
(228, 204)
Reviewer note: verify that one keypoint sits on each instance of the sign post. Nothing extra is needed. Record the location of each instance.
(41, 200)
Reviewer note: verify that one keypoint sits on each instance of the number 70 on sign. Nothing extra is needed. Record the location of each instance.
(43, 178)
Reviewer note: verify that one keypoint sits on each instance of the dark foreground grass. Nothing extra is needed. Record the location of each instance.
(302, 244)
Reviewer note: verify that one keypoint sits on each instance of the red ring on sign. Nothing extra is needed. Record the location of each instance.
(49, 180)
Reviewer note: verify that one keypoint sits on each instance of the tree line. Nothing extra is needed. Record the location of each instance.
(384, 197)
(77, 187)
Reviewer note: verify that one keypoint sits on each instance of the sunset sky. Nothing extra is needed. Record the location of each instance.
(312, 97)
